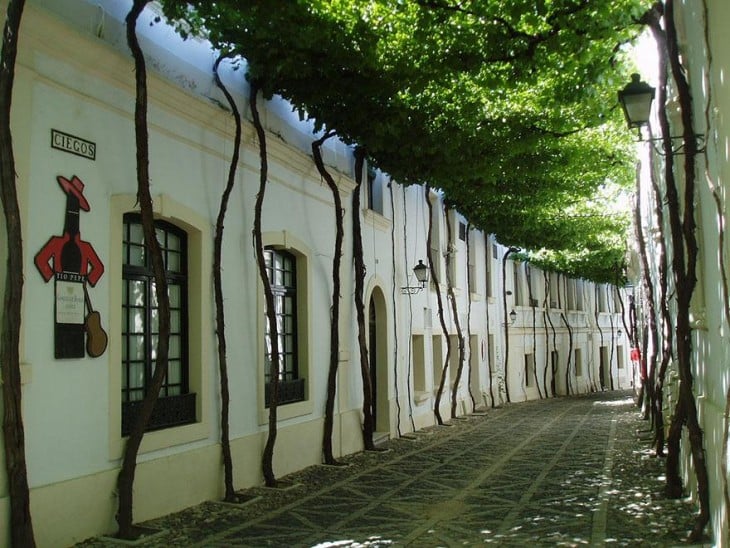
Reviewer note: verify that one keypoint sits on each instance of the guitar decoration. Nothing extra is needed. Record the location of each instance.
(73, 264)
(96, 337)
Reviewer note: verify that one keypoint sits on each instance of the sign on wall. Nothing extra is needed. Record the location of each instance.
(72, 144)
(73, 264)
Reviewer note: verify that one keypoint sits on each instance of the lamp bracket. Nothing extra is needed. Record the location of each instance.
(409, 290)
(676, 149)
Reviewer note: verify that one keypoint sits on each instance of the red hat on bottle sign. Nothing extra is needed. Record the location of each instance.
(75, 187)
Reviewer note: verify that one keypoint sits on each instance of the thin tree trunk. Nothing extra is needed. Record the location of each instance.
(329, 414)
(547, 337)
(409, 362)
(612, 346)
(455, 313)
(684, 247)
(267, 458)
(533, 305)
(490, 368)
(125, 480)
(359, 261)
(439, 300)
(601, 373)
(553, 380)
(667, 335)
(220, 322)
(648, 372)
(506, 320)
(394, 289)
(563, 316)
(21, 526)
(591, 380)
(468, 321)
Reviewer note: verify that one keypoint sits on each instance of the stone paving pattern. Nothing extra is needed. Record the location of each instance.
(566, 471)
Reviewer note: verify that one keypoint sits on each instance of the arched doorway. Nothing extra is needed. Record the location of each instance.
(378, 355)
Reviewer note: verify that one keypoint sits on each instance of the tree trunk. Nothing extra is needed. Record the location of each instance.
(684, 248)
(506, 320)
(409, 363)
(613, 344)
(125, 480)
(455, 313)
(267, 458)
(667, 335)
(589, 368)
(601, 373)
(439, 300)
(368, 428)
(220, 323)
(394, 303)
(490, 368)
(329, 413)
(468, 321)
(553, 388)
(21, 526)
(647, 380)
(568, 384)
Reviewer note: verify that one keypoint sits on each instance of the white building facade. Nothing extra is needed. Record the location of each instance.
(702, 43)
(75, 151)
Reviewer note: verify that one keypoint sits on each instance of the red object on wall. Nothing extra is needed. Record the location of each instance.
(635, 355)
(73, 263)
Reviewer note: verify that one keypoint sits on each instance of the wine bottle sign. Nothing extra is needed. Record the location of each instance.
(70, 302)
(73, 264)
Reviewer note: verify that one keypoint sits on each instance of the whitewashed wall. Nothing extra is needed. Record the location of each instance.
(82, 82)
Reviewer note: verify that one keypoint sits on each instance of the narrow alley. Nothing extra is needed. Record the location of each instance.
(567, 471)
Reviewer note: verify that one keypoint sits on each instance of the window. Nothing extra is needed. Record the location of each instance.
(530, 370)
(436, 231)
(578, 363)
(620, 357)
(471, 266)
(437, 359)
(419, 363)
(374, 191)
(282, 273)
(602, 303)
(140, 325)
(489, 256)
(570, 293)
(517, 284)
(462, 231)
(553, 290)
(533, 290)
(454, 358)
(579, 295)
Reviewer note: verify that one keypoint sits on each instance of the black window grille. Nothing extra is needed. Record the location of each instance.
(140, 326)
(281, 268)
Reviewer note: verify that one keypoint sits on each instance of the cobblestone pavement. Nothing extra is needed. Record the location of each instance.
(567, 471)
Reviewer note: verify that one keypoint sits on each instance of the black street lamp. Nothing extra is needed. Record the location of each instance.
(421, 272)
(636, 99)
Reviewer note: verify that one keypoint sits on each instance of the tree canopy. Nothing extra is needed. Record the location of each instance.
(507, 107)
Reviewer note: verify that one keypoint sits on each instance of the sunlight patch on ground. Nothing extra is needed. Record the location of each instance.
(372, 541)
(615, 403)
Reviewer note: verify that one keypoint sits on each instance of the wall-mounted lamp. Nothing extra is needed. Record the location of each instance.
(421, 272)
(512, 317)
(619, 333)
(636, 99)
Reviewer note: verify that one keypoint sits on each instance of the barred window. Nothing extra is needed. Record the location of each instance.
(140, 326)
(281, 268)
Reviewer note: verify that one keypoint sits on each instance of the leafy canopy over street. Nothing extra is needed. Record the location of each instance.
(509, 107)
